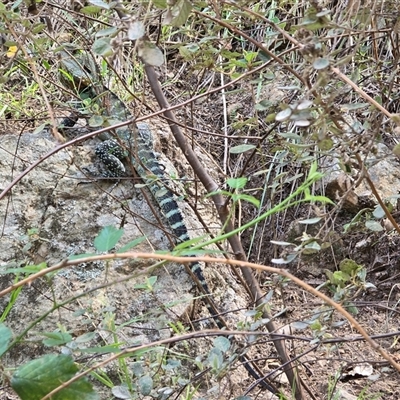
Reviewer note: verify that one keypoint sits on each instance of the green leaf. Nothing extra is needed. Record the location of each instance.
(180, 12)
(312, 247)
(37, 378)
(246, 197)
(160, 4)
(321, 63)
(90, 10)
(107, 238)
(112, 348)
(56, 338)
(299, 325)
(108, 32)
(39, 129)
(78, 256)
(374, 226)
(148, 285)
(102, 47)
(237, 183)
(325, 144)
(150, 53)
(283, 115)
(241, 148)
(131, 244)
(348, 266)
(321, 199)
(396, 150)
(215, 358)
(85, 337)
(378, 212)
(222, 343)
(264, 105)
(28, 269)
(145, 384)
(95, 121)
(121, 392)
(137, 369)
(136, 30)
(5, 338)
(353, 106)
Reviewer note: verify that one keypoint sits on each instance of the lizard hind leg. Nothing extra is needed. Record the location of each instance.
(111, 154)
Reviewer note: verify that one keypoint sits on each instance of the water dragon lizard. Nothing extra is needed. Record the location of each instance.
(135, 140)
(78, 73)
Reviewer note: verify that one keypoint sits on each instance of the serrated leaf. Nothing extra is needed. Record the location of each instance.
(5, 338)
(145, 385)
(150, 53)
(136, 30)
(102, 47)
(37, 378)
(241, 148)
(107, 238)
